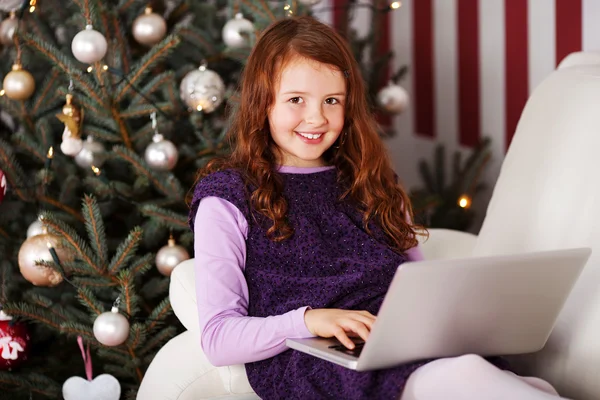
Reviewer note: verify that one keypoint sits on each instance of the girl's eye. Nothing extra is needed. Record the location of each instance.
(295, 100)
(332, 101)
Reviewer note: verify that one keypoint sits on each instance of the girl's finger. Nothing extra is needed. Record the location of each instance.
(341, 335)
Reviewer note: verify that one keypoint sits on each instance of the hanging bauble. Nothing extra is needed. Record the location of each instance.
(72, 117)
(7, 29)
(14, 342)
(35, 248)
(10, 5)
(170, 256)
(18, 84)
(149, 28)
(393, 98)
(3, 186)
(36, 228)
(309, 2)
(92, 153)
(202, 90)
(236, 32)
(89, 45)
(111, 328)
(161, 154)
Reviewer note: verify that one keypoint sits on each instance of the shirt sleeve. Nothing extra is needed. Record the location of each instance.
(228, 335)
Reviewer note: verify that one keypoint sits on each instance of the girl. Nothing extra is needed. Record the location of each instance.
(301, 229)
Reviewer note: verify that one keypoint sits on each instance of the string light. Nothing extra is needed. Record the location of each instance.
(396, 5)
(90, 68)
(464, 201)
(32, 4)
(2, 92)
(199, 108)
(105, 67)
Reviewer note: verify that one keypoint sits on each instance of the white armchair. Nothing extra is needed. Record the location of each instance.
(547, 197)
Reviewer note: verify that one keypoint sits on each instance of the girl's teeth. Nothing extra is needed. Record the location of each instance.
(311, 136)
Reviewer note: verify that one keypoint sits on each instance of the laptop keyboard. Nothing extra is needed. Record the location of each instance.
(358, 346)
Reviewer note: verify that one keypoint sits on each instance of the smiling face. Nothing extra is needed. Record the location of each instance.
(307, 115)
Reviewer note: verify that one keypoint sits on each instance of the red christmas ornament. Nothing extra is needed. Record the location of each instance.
(14, 342)
(3, 185)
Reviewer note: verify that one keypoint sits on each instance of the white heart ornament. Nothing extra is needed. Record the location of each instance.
(103, 387)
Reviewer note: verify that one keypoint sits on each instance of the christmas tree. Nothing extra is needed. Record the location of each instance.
(108, 108)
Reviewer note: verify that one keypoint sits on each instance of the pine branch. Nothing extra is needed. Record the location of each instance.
(26, 142)
(32, 313)
(56, 58)
(102, 133)
(44, 91)
(158, 53)
(167, 218)
(5, 274)
(94, 225)
(144, 110)
(121, 42)
(125, 251)
(116, 357)
(159, 314)
(12, 170)
(141, 167)
(53, 202)
(142, 265)
(158, 339)
(198, 38)
(89, 301)
(137, 336)
(125, 5)
(44, 129)
(74, 240)
(156, 82)
(68, 190)
(128, 292)
(74, 329)
(31, 383)
(45, 303)
(94, 282)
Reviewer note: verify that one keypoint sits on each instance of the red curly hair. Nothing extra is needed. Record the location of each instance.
(364, 168)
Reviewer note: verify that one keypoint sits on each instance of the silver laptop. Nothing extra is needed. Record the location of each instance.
(497, 305)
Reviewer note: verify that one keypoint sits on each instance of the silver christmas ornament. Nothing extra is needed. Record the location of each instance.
(309, 2)
(236, 32)
(89, 46)
(36, 228)
(10, 5)
(7, 29)
(111, 328)
(35, 248)
(161, 154)
(149, 28)
(170, 256)
(202, 90)
(92, 153)
(393, 98)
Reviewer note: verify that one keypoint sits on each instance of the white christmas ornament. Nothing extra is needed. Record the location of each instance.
(89, 46)
(92, 153)
(149, 28)
(202, 90)
(111, 328)
(236, 32)
(170, 256)
(70, 145)
(103, 387)
(393, 98)
(10, 5)
(161, 154)
(36, 228)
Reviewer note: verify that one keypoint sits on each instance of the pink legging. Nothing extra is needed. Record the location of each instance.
(471, 377)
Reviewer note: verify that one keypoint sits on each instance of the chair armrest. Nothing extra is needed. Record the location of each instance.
(182, 293)
(447, 243)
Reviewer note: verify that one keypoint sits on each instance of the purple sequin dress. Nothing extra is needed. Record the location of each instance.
(329, 262)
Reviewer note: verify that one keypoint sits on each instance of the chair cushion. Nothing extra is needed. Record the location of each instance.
(182, 293)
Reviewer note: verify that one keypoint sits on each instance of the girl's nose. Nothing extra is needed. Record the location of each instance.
(315, 117)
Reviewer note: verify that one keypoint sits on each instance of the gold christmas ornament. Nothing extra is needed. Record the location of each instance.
(72, 117)
(19, 83)
(35, 248)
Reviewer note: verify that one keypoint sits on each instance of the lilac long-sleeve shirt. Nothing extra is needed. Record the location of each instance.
(228, 335)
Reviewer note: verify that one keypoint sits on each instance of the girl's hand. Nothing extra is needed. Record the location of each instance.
(326, 322)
